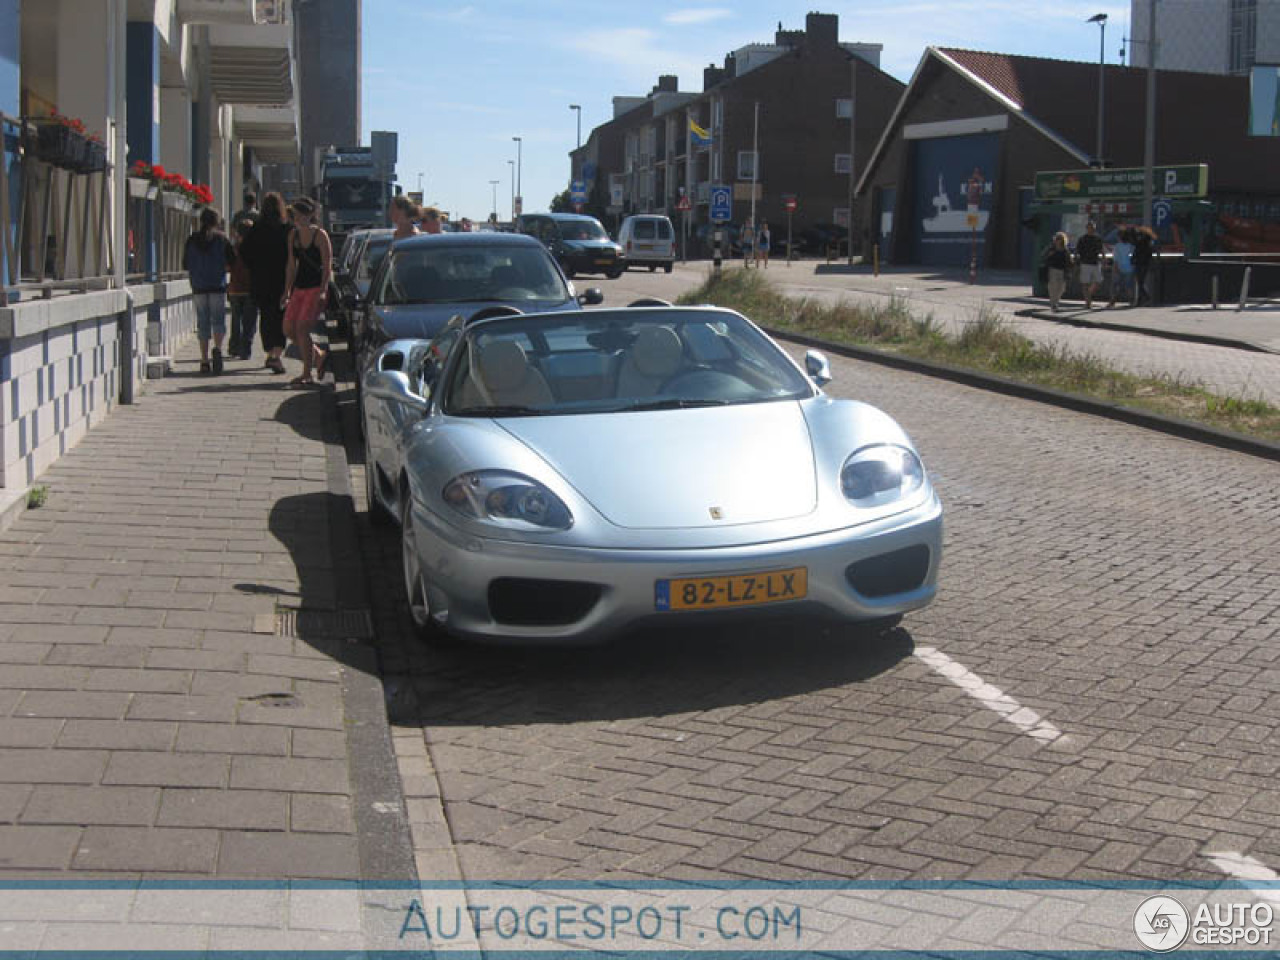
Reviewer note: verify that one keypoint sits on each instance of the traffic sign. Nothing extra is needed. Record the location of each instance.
(684, 203)
(721, 204)
(789, 202)
(578, 191)
(1161, 213)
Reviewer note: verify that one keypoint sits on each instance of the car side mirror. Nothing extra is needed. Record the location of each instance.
(818, 367)
(394, 386)
(591, 297)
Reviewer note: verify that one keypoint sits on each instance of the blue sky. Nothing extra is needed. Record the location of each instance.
(458, 80)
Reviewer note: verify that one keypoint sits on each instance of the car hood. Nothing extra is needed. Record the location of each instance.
(423, 321)
(712, 467)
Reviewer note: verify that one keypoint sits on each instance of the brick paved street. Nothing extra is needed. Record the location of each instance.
(1118, 585)
(153, 720)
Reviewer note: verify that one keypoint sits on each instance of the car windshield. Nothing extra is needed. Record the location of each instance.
(615, 361)
(581, 230)
(471, 273)
(375, 249)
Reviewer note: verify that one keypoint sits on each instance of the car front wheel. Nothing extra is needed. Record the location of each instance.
(613, 274)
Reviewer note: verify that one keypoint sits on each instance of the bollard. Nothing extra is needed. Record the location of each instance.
(1214, 287)
(875, 258)
(1244, 289)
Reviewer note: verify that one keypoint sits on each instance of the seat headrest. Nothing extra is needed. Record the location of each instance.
(503, 365)
(657, 351)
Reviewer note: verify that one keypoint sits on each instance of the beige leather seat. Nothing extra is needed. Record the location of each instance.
(650, 361)
(505, 375)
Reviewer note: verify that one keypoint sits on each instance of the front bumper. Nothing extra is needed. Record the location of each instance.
(593, 261)
(462, 569)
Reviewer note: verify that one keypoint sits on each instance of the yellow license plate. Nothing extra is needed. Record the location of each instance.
(740, 590)
(603, 263)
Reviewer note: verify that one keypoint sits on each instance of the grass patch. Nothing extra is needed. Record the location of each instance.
(37, 497)
(988, 344)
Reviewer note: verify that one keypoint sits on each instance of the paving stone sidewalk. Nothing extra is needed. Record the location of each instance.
(157, 715)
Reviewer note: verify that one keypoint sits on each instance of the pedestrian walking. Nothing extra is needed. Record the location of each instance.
(748, 239)
(1057, 261)
(431, 220)
(306, 285)
(244, 312)
(266, 252)
(1122, 268)
(1089, 258)
(1144, 249)
(762, 245)
(404, 213)
(248, 214)
(205, 257)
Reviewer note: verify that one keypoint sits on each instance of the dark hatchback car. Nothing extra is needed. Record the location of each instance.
(579, 244)
(427, 279)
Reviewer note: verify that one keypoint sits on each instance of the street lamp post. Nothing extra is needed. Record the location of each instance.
(494, 185)
(519, 159)
(578, 110)
(512, 165)
(853, 143)
(1101, 20)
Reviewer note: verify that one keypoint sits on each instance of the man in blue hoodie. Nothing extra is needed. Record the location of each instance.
(206, 258)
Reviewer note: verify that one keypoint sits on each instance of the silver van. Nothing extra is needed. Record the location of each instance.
(648, 240)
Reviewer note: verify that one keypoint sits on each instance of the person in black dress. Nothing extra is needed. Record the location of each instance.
(266, 251)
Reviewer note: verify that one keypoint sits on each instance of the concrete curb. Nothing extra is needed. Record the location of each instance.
(1203, 338)
(1173, 426)
(382, 822)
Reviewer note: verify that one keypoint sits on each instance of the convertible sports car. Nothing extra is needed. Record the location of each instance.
(565, 476)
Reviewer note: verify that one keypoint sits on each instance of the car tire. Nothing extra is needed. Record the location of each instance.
(613, 274)
(667, 267)
(425, 627)
(653, 267)
(379, 515)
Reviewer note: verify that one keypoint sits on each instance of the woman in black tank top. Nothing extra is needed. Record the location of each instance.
(307, 282)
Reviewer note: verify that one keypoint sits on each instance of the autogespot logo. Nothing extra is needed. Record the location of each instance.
(1161, 923)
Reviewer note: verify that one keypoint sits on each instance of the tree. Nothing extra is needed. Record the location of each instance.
(561, 203)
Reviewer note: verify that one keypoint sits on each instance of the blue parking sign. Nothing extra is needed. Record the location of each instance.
(721, 204)
(578, 191)
(1161, 213)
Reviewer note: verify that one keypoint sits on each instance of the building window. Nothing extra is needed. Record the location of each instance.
(747, 165)
(1244, 35)
(844, 109)
(844, 163)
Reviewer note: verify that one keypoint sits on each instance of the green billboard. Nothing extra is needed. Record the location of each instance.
(1189, 182)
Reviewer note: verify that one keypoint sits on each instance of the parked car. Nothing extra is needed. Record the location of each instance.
(564, 476)
(579, 244)
(648, 240)
(816, 238)
(428, 279)
(359, 261)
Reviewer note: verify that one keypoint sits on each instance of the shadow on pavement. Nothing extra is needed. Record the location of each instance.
(647, 674)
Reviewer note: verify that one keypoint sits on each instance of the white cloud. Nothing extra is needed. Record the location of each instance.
(697, 15)
(636, 59)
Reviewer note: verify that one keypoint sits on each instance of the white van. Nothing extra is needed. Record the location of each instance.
(648, 240)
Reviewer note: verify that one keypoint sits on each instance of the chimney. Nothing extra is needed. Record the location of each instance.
(711, 75)
(667, 83)
(822, 29)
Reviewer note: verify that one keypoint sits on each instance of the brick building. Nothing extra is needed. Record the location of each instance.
(803, 83)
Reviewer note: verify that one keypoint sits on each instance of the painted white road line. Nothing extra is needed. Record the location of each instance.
(1245, 868)
(990, 696)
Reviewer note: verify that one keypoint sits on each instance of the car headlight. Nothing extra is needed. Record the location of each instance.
(874, 476)
(508, 500)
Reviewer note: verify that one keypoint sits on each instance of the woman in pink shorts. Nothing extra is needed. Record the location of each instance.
(306, 282)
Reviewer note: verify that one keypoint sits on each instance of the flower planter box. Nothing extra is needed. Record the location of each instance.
(60, 145)
(142, 189)
(95, 157)
(175, 202)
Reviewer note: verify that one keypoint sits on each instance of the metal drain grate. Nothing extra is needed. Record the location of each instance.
(324, 624)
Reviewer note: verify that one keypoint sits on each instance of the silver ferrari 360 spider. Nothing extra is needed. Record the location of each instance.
(565, 476)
